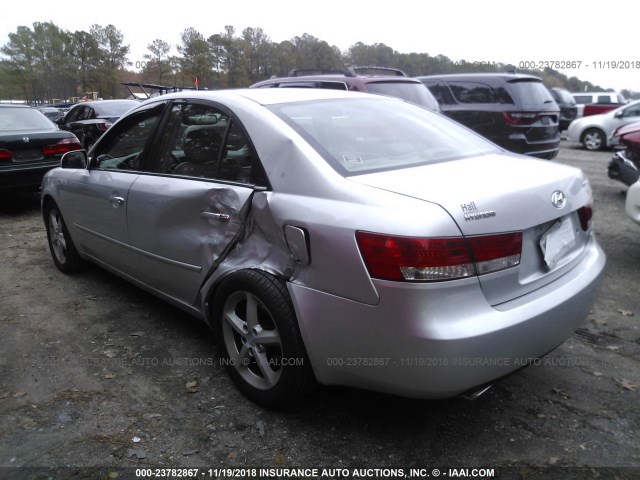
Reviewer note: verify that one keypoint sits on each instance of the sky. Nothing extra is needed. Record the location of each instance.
(600, 47)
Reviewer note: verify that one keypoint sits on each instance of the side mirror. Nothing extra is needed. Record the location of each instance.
(74, 159)
(619, 114)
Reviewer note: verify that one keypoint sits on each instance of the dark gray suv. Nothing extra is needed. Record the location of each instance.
(378, 80)
(514, 111)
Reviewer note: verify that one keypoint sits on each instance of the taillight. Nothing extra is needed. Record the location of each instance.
(431, 259)
(5, 154)
(520, 118)
(585, 214)
(103, 127)
(528, 118)
(496, 252)
(63, 146)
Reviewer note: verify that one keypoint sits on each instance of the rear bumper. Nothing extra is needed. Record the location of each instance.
(439, 340)
(18, 177)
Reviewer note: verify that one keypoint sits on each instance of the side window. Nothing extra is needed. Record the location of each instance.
(202, 142)
(74, 114)
(470, 92)
(604, 99)
(583, 99)
(192, 141)
(121, 148)
(441, 92)
(89, 113)
(239, 160)
(632, 111)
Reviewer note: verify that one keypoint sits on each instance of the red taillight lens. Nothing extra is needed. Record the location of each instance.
(103, 127)
(520, 118)
(585, 214)
(431, 259)
(5, 154)
(63, 146)
(496, 252)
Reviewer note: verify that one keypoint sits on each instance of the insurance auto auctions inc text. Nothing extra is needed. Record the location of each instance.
(347, 473)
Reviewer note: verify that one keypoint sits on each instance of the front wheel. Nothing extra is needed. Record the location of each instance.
(261, 343)
(593, 139)
(63, 251)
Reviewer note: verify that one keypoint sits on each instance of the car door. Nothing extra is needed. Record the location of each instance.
(98, 196)
(188, 205)
(624, 116)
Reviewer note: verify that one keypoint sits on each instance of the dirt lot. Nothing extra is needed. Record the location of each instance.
(96, 373)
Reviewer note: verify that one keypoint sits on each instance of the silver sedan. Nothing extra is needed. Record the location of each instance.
(334, 237)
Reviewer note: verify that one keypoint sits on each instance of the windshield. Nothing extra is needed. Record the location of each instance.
(24, 119)
(358, 136)
(410, 91)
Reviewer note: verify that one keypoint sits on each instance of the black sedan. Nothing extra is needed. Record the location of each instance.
(89, 120)
(30, 145)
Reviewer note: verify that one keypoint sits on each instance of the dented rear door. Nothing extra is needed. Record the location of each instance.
(178, 227)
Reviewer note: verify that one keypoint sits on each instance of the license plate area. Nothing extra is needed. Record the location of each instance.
(559, 240)
(28, 155)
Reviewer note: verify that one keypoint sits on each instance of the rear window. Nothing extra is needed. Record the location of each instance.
(530, 93)
(24, 119)
(413, 92)
(358, 136)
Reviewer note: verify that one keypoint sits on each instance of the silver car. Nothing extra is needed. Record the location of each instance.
(334, 237)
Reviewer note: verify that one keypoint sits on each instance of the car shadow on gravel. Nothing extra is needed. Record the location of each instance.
(13, 204)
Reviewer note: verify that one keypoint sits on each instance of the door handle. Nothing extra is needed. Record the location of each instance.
(116, 200)
(223, 217)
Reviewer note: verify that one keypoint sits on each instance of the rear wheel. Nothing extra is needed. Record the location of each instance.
(593, 139)
(63, 251)
(260, 340)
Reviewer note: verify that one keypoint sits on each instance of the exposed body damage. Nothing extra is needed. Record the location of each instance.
(261, 246)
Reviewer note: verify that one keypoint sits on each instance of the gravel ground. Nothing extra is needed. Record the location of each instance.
(97, 373)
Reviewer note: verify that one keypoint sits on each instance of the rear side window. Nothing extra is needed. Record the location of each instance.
(604, 99)
(472, 92)
(441, 92)
(583, 99)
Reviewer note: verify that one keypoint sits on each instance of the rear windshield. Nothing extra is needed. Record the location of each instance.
(358, 136)
(24, 119)
(530, 93)
(410, 91)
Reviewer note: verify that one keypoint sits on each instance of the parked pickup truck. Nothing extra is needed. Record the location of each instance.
(597, 108)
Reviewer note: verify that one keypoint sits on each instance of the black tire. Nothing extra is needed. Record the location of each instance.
(62, 249)
(260, 340)
(593, 139)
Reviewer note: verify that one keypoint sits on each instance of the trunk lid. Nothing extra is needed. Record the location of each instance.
(27, 147)
(499, 194)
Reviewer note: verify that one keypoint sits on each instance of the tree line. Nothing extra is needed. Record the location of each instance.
(44, 62)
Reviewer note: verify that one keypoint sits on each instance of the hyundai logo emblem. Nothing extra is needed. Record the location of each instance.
(558, 199)
(25, 139)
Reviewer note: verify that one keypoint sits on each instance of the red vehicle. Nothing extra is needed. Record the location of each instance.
(625, 164)
(598, 108)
